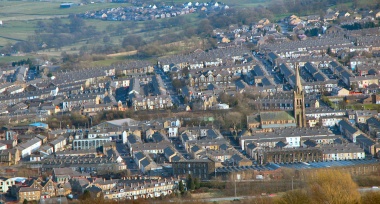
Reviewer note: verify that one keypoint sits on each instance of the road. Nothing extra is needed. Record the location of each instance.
(168, 86)
(276, 77)
(369, 189)
(178, 146)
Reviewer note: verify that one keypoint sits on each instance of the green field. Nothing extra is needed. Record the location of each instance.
(21, 10)
(8, 59)
(13, 31)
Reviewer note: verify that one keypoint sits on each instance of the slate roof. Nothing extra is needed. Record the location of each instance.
(145, 162)
(176, 158)
(343, 148)
(320, 77)
(185, 137)
(310, 143)
(272, 55)
(334, 64)
(158, 137)
(281, 144)
(168, 151)
(195, 148)
(223, 147)
(211, 134)
(347, 126)
(236, 158)
(139, 156)
(373, 121)
(258, 71)
(266, 82)
(132, 139)
(361, 139)
(276, 115)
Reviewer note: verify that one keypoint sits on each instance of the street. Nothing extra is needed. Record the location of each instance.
(168, 86)
(270, 69)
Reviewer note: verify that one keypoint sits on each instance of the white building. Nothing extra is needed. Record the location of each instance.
(330, 121)
(5, 184)
(293, 142)
(3, 146)
(29, 147)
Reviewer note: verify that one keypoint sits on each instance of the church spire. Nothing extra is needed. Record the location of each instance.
(298, 87)
(299, 100)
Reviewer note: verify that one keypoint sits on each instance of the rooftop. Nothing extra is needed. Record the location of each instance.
(276, 115)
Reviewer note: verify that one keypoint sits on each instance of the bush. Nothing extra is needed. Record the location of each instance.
(213, 184)
(371, 198)
(367, 180)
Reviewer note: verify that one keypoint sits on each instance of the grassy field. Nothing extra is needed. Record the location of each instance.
(16, 30)
(21, 10)
(8, 59)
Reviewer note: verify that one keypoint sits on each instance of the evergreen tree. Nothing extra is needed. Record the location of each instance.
(197, 183)
(25, 201)
(181, 187)
(329, 51)
(189, 180)
(190, 183)
(86, 195)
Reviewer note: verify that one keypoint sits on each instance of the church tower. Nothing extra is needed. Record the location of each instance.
(299, 100)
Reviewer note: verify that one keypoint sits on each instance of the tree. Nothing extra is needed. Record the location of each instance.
(205, 28)
(325, 186)
(25, 201)
(334, 187)
(190, 182)
(181, 187)
(86, 195)
(294, 197)
(177, 83)
(329, 51)
(371, 198)
(106, 39)
(197, 183)
(76, 24)
(185, 72)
